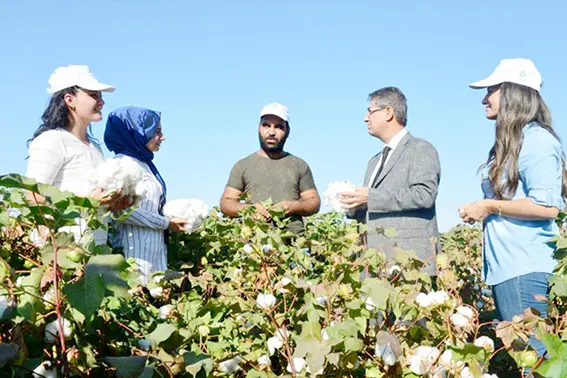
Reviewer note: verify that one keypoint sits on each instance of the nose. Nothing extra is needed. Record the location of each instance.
(162, 138)
(366, 119)
(101, 102)
(485, 100)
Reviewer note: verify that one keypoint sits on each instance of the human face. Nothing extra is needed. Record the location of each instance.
(492, 101)
(154, 143)
(85, 106)
(375, 119)
(272, 132)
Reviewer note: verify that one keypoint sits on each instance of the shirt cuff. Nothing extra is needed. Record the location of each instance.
(547, 197)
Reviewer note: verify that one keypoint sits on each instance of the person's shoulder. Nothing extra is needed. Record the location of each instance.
(296, 160)
(420, 142)
(248, 159)
(537, 137)
(48, 139)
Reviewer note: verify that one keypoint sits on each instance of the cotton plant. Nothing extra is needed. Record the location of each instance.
(193, 210)
(332, 195)
(120, 173)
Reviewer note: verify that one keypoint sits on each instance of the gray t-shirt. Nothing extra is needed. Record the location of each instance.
(282, 179)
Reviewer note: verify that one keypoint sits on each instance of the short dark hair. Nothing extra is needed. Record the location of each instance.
(393, 97)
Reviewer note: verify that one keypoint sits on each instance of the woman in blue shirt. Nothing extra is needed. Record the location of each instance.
(524, 182)
(137, 133)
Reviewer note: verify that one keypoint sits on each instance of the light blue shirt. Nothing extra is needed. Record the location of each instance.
(514, 247)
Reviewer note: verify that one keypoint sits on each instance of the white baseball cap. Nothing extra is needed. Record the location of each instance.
(276, 109)
(519, 70)
(75, 75)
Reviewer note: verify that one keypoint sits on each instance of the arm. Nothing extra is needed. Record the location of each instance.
(308, 204)
(46, 158)
(541, 172)
(230, 202)
(146, 215)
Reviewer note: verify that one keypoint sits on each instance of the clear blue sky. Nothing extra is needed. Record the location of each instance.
(210, 66)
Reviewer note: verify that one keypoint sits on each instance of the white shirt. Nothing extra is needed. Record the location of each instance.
(59, 158)
(392, 144)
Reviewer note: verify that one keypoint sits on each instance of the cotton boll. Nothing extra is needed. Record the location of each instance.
(191, 209)
(331, 195)
(44, 370)
(52, 330)
(485, 342)
(298, 364)
(231, 366)
(264, 360)
(121, 173)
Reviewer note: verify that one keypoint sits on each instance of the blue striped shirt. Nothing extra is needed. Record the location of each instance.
(141, 234)
(514, 247)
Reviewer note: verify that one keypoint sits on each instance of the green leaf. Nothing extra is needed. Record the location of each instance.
(127, 367)
(194, 363)
(13, 180)
(353, 344)
(378, 290)
(86, 295)
(110, 268)
(162, 332)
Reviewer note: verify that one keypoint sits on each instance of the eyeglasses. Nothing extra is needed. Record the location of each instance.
(370, 111)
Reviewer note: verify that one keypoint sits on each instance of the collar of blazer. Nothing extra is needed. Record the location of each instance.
(393, 159)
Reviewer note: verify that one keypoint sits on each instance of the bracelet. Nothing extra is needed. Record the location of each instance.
(499, 211)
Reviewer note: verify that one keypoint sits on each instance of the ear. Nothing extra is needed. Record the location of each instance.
(69, 100)
(390, 114)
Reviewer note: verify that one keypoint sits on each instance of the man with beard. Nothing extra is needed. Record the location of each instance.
(272, 173)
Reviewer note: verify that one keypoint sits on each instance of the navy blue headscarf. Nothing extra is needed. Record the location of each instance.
(128, 130)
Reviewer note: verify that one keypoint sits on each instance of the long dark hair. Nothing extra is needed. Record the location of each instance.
(56, 115)
(519, 106)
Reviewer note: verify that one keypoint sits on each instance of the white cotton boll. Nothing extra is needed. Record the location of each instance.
(265, 301)
(322, 300)
(324, 334)
(489, 376)
(20, 281)
(285, 281)
(466, 311)
(49, 296)
(193, 210)
(423, 359)
(118, 173)
(267, 248)
(370, 305)
(264, 360)
(156, 292)
(231, 366)
(466, 373)
(144, 344)
(5, 304)
(386, 353)
(165, 311)
(44, 370)
(394, 269)
(331, 195)
(298, 364)
(52, 330)
(247, 248)
(459, 320)
(274, 343)
(423, 300)
(485, 342)
(439, 297)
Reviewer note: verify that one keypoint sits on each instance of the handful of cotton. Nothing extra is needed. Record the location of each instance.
(332, 197)
(119, 173)
(191, 209)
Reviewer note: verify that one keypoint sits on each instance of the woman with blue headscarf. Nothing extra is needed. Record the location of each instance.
(137, 133)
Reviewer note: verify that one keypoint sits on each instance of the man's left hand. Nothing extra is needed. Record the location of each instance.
(287, 206)
(352, 200)
(474, 212)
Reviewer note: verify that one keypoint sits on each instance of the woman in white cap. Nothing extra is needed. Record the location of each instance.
(524, 183)
(62, 151)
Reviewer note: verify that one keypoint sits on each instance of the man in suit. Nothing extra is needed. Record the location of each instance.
(400, 185)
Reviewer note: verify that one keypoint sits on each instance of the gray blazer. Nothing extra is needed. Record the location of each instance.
(403, 197)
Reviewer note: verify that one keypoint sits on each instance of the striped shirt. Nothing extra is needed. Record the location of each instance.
(141, 234)
(59, 158)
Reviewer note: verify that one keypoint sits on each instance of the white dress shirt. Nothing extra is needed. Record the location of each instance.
(393, 143)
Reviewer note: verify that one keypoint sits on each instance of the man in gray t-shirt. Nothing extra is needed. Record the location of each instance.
(272, 173)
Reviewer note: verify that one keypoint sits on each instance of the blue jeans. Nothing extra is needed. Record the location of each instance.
(513, 296)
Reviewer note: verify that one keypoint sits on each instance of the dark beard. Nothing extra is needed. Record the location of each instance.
(278, 148)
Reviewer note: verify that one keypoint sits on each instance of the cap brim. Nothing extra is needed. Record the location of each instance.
(485, 83)
(97, 86)
(274, 114)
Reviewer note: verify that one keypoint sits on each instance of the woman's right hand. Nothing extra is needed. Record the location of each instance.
(177, 224)
(115, 202)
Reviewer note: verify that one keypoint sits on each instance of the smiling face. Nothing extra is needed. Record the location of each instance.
(272, 133)
(492, 102)
(85, 106)
(154, 143)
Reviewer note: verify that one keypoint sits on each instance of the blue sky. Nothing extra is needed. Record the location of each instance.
(210, 66)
